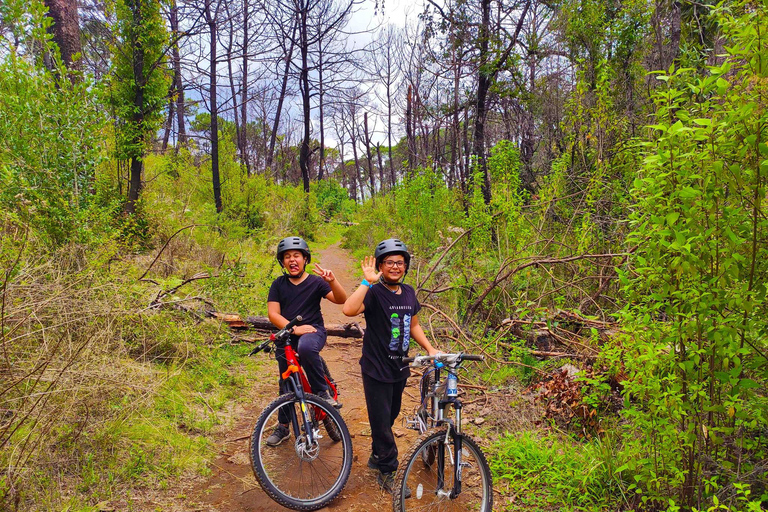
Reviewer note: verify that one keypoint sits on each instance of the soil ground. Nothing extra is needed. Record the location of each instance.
(232, 486)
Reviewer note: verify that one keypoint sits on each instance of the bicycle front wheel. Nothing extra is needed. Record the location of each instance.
(296, 473)
(432, 485)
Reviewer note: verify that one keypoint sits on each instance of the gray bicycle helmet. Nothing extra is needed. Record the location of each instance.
(293, 243)
(392, 246)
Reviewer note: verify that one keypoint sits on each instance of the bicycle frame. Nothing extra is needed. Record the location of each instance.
(454, 426)
(296, 382)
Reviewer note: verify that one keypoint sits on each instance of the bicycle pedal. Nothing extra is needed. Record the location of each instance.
(412, 423)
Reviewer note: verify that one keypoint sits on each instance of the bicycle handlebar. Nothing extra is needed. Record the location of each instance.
(448, 359)
(288, 326)
(279, 334)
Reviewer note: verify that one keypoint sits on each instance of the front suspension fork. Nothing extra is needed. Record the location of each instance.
(297, 389)
(458, 440)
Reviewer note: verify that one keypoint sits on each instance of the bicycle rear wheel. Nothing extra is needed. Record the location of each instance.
(296, 474)
(423, 480)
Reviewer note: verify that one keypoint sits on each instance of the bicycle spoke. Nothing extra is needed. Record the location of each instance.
(295, 469)
(422, 478)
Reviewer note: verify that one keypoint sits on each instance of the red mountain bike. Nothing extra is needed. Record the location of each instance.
(311, 471)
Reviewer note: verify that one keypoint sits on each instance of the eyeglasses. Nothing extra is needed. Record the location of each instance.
(390, 263)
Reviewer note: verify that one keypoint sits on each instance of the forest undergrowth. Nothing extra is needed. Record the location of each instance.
(113, 381)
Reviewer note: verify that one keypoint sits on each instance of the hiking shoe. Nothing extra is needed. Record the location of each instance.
(328, 398)
(373, 461)
(387, 482)
(280, 434)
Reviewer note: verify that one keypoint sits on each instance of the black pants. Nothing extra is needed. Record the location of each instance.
(308, 347)
(383, 400)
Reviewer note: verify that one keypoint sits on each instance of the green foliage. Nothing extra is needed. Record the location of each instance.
(52, 132)
(140, 79)
(696, 358)
(555, 472)
(420, 211)
(333, 199)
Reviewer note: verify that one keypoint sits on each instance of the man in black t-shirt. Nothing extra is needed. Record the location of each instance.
(390, 310)
(298, 293)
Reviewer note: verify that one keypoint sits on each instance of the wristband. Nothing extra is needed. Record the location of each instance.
(366, 283)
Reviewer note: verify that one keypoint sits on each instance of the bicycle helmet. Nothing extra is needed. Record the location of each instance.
(392, 246)
(293, 243)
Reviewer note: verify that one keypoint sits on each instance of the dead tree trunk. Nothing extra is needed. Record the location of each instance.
(210, 19)
(371, 175)
(65, 30)
(281, 98)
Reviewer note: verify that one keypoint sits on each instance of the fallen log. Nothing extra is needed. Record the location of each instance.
(262, 323)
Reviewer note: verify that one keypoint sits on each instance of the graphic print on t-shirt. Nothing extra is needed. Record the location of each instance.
(389, 317)
(406, 332)
(394, 342)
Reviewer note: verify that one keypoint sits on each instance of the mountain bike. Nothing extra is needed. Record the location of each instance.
(445, 469)
(312, 468)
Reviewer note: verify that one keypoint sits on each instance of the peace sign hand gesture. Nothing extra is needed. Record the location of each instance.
(369, 269)
(325, 273)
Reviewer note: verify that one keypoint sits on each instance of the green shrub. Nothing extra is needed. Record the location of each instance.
(695, 349)
(542, 472)
(52, 131)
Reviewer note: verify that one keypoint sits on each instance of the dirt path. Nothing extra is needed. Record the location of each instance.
(232, 487)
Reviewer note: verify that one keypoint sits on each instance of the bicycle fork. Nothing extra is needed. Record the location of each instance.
(458, 438)
(298, 390)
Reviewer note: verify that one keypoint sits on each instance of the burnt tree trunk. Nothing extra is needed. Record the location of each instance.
(305, 93)
(177, 83)
(243, 137)
(65, 30)
(211, 21)
(484, 81)
(371, 175)
(409, 129)
(321, 98)
(281, 98)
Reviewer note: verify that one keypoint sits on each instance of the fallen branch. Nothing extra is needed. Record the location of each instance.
(163, 248)
(164, 293)
(543, 261)
(481, 350)
(350, 330)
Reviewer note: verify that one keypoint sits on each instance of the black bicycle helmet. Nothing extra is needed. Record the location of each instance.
(392, 246)
(293, 243)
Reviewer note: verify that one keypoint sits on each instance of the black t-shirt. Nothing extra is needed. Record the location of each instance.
(388, 332)
(300, 299)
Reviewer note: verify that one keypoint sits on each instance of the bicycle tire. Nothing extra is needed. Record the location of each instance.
(301, 480)
(477, 483)
(332, 428)
(326, 371)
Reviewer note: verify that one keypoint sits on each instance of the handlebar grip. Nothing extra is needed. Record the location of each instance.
(409, 360)
(259, 348)
(293, 322)
(472, 357)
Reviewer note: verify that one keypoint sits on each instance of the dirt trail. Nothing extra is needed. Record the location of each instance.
(232, 486)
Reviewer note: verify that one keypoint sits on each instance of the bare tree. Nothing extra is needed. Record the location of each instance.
(211, 13)
(387, 74)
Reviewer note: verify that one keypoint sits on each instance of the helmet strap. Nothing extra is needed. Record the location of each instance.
(390, 283)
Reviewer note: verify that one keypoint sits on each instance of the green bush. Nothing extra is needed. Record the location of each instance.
(333, 200)
(695, 349)
(52, 131)
(549, 471)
